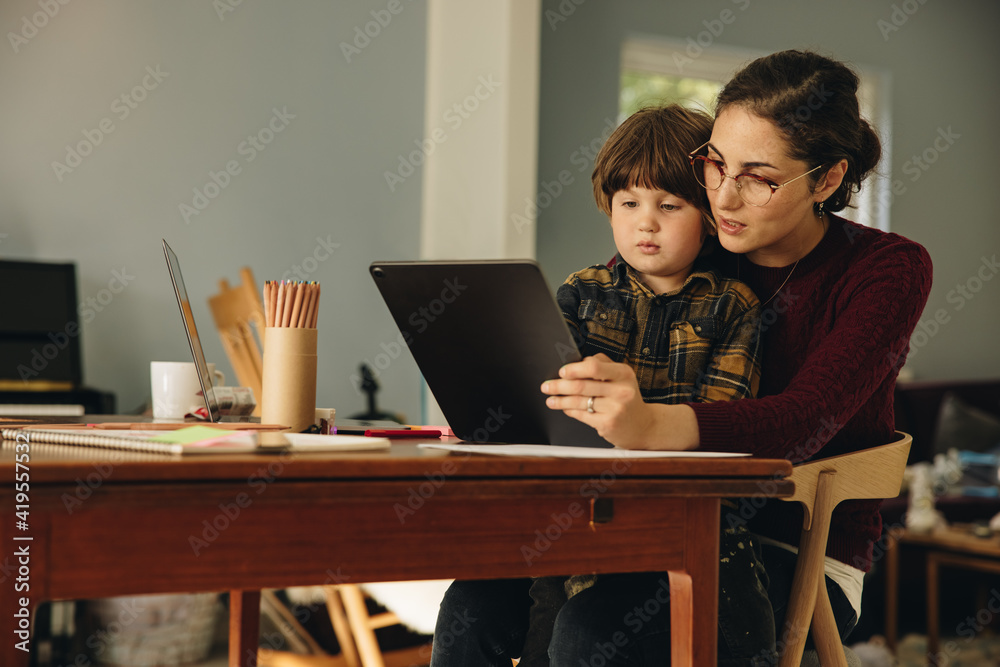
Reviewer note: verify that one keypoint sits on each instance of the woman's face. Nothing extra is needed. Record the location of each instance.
(786, 228)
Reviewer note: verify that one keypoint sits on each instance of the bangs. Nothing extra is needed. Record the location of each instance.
(652, 157)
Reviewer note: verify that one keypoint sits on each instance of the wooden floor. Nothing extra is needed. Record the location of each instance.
(417, 656)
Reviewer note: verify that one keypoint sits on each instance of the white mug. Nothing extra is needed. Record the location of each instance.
(176, 388)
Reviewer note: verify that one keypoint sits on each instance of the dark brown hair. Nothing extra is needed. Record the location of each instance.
(650, 150)
(813, 100)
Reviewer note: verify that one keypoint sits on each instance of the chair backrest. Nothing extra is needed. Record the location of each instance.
(856, 480)
(820, 486)
(237, 311)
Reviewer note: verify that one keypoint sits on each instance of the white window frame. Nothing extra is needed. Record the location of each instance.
(673, 57)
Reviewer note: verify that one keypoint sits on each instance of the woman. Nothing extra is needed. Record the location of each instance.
(839, 302)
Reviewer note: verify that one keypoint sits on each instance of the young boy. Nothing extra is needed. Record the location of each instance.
(689, 334)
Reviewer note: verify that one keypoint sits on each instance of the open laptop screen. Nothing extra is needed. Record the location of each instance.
(204, 377)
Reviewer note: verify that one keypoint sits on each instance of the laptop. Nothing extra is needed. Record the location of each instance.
(485, 335)
(205, 378)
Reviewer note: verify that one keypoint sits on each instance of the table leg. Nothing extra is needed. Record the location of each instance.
(702, 564)
(891, 591)
(681, 613)
(935, 561)
(933, 636)
(244, 628)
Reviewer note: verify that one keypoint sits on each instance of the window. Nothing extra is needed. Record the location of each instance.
(656, 70)
(640, 88)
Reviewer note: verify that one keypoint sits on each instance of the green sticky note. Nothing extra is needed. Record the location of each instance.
(192, 434)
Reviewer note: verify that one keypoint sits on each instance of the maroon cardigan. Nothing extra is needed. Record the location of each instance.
(834, 340)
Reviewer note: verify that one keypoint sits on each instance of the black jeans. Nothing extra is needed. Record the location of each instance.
(623, 619)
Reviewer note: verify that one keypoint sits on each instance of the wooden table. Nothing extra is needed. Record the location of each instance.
(102, 523)
(951, 546)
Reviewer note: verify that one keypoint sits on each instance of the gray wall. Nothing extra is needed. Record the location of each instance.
(317, 190)
(942, 60)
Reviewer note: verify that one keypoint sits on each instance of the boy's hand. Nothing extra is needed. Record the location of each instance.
(617, 410)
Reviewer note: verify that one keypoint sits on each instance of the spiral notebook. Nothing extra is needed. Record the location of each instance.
(191, 440)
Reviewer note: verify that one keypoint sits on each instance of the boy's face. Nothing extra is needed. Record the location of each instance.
(658, 234)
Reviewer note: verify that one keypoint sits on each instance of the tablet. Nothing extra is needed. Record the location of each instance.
(485, 335)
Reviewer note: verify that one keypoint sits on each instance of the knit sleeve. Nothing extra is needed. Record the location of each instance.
(869, 323)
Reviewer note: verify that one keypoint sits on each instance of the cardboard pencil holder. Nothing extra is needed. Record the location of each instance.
(289, 377)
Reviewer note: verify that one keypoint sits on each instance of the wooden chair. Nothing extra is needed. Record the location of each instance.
(820, 486)
(237, 311)
(354, 626)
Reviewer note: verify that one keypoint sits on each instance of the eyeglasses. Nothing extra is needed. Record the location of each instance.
(753, 189)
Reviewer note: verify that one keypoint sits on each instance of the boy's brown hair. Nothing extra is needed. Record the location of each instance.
(650, 149)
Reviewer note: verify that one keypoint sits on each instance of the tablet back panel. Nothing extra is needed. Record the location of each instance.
(485, 335)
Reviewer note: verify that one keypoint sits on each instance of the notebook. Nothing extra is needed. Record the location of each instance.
(198, 439)
(485, 335)
(190, 440)
(197, 352)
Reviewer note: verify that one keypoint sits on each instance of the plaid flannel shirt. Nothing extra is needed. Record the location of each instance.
(697, 344)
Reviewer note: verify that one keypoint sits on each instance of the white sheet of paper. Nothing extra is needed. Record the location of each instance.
(315, 442)
(575, 452)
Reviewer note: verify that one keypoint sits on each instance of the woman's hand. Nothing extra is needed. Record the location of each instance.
(618, 412)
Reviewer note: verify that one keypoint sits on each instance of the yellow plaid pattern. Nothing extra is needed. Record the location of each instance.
(700, 343)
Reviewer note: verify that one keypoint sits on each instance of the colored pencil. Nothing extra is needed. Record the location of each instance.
(289, 303)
